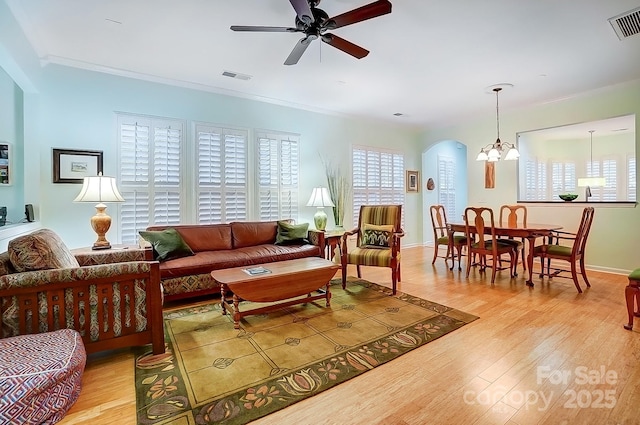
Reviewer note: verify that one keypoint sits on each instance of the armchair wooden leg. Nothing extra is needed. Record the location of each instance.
(358, 270)
(574, 276)
(584, 273)
(631, 292)
(435, 253)
(394, 280)
(344, 276)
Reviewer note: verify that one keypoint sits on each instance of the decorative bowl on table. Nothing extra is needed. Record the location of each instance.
(568, 197)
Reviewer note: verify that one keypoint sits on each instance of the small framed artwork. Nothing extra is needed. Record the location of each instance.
(6, 179)
(412, 182)
(71, 166)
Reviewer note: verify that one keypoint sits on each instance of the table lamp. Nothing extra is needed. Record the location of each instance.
(100, 189)
(320, 198)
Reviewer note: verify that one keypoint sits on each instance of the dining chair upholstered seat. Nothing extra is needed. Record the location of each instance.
(482, 241)
(441, 236)
(567, 247)
(377, 241)
(631, 293)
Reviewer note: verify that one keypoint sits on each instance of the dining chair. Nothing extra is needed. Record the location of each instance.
(572, 250)
(481, 237)
(441, 236)
(631, 293)
(512, 216)
(377, 241)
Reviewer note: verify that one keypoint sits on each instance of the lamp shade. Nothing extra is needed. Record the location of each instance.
(320, 198)
(99, 189)
(591, 182)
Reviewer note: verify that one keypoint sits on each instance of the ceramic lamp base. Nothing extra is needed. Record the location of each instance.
(320, 219)
(101, 223)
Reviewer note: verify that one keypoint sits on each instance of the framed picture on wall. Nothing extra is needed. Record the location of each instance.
(5, 164)
(413, 181)
(72, 166)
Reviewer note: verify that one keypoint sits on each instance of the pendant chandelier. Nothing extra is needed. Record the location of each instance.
(493, 151)
(593, 181)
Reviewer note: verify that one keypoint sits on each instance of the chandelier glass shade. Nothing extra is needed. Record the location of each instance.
(493, 151)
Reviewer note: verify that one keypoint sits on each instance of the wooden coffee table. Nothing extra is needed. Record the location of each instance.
(283, 281)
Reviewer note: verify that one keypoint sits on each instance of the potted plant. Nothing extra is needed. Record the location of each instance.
(339, 187)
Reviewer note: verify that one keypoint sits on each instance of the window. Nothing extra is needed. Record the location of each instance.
(277, 174)
(563, 178)
(631, 178)
(535, 180)
(446, 185)
(604, 148)
(378, 178)
(221, 174)
(150, 173)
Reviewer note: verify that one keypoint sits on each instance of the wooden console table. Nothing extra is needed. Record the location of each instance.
(285, 280)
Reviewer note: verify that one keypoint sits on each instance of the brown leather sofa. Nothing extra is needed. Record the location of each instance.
(221, 246)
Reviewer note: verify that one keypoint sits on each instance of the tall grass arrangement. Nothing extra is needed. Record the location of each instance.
(339, 188)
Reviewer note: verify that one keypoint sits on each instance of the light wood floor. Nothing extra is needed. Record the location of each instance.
(534, 357)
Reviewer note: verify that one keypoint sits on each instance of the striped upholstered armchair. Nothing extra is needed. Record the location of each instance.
(377, 241)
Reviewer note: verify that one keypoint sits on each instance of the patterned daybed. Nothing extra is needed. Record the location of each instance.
(113, 299)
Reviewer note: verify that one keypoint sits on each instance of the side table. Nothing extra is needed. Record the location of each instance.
(331, 241)
(116, 254)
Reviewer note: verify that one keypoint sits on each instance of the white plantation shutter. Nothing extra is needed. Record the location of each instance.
(446, 185)
(277, 174)
(610, 174)
(631, 179)
(563, 177)
(150, 173)
(222, 174)
(378, 178)
(535, 180)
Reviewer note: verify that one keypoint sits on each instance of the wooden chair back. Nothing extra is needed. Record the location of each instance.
(438, 221)
(482, 219)
(511, 215)
(582, 234)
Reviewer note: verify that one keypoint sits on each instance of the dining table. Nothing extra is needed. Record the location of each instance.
(528, 231)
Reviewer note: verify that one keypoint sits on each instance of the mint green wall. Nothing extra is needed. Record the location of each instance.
(77, 111)
(615, 234)
(453, 149)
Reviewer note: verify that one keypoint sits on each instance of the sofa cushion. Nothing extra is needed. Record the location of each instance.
(289, 233)
(40, 250)
(167, 244)
(205, 262)
(374, 236)
(250, 233)
(203, 237)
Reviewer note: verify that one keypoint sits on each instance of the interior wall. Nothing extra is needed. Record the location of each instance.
(11, 125)
(453, 149)
(615, 233)
(77, 111)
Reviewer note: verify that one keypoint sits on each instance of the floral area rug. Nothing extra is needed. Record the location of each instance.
(213, 373)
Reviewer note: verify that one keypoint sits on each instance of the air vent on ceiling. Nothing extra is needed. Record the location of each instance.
(626, 24)
(237, 75)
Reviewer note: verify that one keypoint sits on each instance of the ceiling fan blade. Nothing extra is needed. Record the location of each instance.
(303, 10)
(263, 29)
(299, 49)
(372, 10)
(344, 45)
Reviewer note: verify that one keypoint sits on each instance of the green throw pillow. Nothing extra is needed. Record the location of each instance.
(291, 233)
(167, 244)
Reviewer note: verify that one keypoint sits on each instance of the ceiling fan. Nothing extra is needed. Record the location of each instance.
(315, 23)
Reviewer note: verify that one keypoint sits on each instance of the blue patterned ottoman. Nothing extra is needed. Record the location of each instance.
(40, 376)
